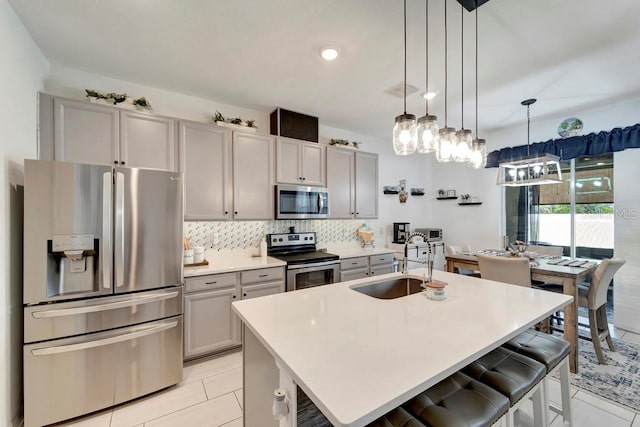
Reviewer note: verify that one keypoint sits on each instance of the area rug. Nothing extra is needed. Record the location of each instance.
(618, 380)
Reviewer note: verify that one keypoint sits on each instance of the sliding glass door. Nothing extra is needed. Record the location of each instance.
(576, 214)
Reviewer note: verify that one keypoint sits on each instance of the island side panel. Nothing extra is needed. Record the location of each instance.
(261, 377)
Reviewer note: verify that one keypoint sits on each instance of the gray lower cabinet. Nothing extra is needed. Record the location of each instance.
(380, 264)
(210, 324)
(354, 268)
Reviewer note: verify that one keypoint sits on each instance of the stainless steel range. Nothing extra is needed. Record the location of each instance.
(306, 266)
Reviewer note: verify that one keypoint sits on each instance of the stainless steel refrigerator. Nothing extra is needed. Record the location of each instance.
(102, 287)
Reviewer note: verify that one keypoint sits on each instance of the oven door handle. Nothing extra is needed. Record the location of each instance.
(314, 266)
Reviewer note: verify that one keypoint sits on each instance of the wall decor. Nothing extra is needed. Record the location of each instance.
(417, 191)
(446, 195)
(345, 143)
(113, 98)
(403, 195)
(390, 189)
(570, 127)
(467, 199)
(236, 122)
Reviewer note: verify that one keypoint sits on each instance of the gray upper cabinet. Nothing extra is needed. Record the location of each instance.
(366, 185)
(341, 183)
(352, 179)
(83, 132)
(148, 141)
(299, 162)
(206, 156)
(253, 177)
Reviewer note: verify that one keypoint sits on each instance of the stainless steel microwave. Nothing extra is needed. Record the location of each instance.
(301, 202)
(433, 234)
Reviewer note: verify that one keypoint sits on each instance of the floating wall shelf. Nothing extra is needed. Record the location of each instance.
(446, 198)
(469, 203)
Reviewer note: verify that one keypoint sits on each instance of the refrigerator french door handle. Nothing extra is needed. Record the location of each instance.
(103, 307)
(107, 214)
(119, 230)
(106, 341)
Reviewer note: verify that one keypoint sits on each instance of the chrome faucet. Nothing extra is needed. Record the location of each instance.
(405, 269)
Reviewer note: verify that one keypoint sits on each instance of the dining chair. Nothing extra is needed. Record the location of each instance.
(457, 250)
(546, 250)
(512, 270)
(594, 297)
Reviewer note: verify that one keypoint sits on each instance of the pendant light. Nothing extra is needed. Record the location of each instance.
(463, 148)
(447, 140)
(542, 169)
(427, 124)
(404, 130)
(478, 157)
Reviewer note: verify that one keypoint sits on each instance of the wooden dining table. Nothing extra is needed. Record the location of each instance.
(568, 277)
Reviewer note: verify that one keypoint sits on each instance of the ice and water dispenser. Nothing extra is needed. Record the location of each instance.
(72, 264)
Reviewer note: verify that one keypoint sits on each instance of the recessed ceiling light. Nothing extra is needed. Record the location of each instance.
(428, 95)
(329, 53)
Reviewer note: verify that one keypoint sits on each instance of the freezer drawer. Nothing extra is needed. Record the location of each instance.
(50, 321)
(74, 376)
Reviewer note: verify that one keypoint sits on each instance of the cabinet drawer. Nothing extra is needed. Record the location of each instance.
(359, 273)
(351, 263)
(214, 281)
(381, 259)
(262, 275)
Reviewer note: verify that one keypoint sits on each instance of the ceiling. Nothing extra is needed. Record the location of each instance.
(572, 55)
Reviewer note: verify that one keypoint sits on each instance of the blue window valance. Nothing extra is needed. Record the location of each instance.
(617, 139)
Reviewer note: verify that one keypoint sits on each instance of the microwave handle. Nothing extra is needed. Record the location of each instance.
(320, 203)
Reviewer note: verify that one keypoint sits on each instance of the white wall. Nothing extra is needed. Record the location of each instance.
(626, 197)
(415, 169)
(21, 75)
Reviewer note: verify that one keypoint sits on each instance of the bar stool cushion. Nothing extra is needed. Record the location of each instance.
(541, 347)
(396, 418)
(458, 401)
(508, 372)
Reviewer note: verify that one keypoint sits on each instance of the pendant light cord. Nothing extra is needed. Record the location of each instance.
(426, 56)
(462, 65)
(528, 130)
(405, 57)
(476, 4)
(446, 61)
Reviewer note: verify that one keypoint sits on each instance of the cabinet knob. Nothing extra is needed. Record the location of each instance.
(235, 213)
(122, 163)
(244, 295)
(300, 178)
(226, 212)
(304, 179)
(357, 213)
(234, 297)
(352, 213)
(115, 162)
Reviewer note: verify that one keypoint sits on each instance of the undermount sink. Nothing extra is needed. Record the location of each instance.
(391, 289)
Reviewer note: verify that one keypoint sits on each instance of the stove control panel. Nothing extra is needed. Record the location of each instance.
(291, 239)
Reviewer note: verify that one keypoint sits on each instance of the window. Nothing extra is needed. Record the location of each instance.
(581, 222)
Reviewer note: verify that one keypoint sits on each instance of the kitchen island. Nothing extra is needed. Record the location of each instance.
(357, 357)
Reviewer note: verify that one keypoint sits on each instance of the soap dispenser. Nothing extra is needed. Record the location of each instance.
(263, 247)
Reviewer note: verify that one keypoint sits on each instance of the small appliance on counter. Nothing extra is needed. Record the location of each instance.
(306, 266)
(401, 231)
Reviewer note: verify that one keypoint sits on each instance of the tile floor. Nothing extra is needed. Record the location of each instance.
(211, 395)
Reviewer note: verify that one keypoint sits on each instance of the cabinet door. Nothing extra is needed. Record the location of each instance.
(312, 157)
(148, 141)
(359, 273)
(366, 185)
(209, 322)
(255, 291)
(252, 176)
(86, 133)
(288, 168)
(341, 183)
(206, 163)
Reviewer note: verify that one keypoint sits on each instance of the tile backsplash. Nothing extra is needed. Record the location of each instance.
(233, 235)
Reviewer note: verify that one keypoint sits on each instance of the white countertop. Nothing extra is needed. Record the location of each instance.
(228, 264)
(358, 357)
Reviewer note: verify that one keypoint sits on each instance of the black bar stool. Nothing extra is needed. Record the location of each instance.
(552, 352)
(515, 376)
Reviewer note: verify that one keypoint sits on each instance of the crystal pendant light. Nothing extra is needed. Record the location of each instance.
(427, 124)
(463, 147)
(447, 141)
(404, 130)
(478, 157)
